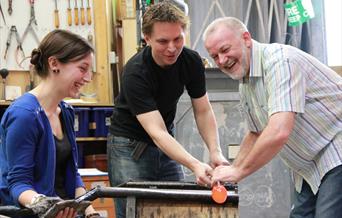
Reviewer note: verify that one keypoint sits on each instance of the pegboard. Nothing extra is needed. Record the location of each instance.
(44, 13)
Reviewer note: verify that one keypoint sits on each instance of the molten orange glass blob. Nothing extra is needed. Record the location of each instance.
(219, 193)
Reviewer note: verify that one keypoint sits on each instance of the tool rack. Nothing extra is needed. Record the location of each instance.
(33, 19)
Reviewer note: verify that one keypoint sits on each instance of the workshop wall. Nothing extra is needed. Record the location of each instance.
(44, 12)
(96, 28)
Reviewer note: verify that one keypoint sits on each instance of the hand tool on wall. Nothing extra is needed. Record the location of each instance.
(10, 7)
(76, 13)
(69, 14)
(32, 13)
(29, 26)
(4, 73)
(2, 14)
(90, 39)
(88, 13)
(13, 30)
(82, 13)
(56, 15)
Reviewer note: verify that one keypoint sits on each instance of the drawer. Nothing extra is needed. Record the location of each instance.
(94, 181)
(107, 212)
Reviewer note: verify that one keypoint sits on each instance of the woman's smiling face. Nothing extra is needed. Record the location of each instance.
(74, 75)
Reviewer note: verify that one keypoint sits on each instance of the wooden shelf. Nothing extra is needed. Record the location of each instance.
(88, 139)
(5, 103)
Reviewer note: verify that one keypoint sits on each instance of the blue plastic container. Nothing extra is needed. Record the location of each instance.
(100, 121)
(81, 125)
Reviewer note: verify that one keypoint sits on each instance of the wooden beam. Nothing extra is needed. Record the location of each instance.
(102, 80)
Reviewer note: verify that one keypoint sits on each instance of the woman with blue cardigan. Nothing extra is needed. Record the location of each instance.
(38, 156)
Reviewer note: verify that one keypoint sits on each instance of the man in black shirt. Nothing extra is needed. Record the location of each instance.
(141, 145)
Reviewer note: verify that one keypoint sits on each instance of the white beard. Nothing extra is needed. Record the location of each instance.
(238, 75)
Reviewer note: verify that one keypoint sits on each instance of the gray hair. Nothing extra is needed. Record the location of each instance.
(230, 22)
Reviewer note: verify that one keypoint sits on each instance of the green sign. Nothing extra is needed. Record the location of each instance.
(299, 11)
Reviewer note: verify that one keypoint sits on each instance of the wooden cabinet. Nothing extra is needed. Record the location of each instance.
(105, 206)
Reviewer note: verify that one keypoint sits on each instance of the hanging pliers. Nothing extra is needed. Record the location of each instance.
(29, 26)
(14, 31)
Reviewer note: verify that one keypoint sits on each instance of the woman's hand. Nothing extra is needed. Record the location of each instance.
(67, 213)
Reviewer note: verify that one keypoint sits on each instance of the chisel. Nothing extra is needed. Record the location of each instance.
(76, 13)
(69, 14)
(82, 14)
(88, 13)
(56, 15)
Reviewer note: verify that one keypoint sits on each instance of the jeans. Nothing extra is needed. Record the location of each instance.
(327, 203)
(152, 165)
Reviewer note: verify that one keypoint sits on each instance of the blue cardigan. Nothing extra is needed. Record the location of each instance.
(28, 154)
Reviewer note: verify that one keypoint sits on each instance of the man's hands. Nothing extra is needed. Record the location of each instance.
(203, 173)
(217, 159)
(207, 176)
(227, 174)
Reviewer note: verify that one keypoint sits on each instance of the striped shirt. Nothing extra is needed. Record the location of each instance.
(285, 79)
